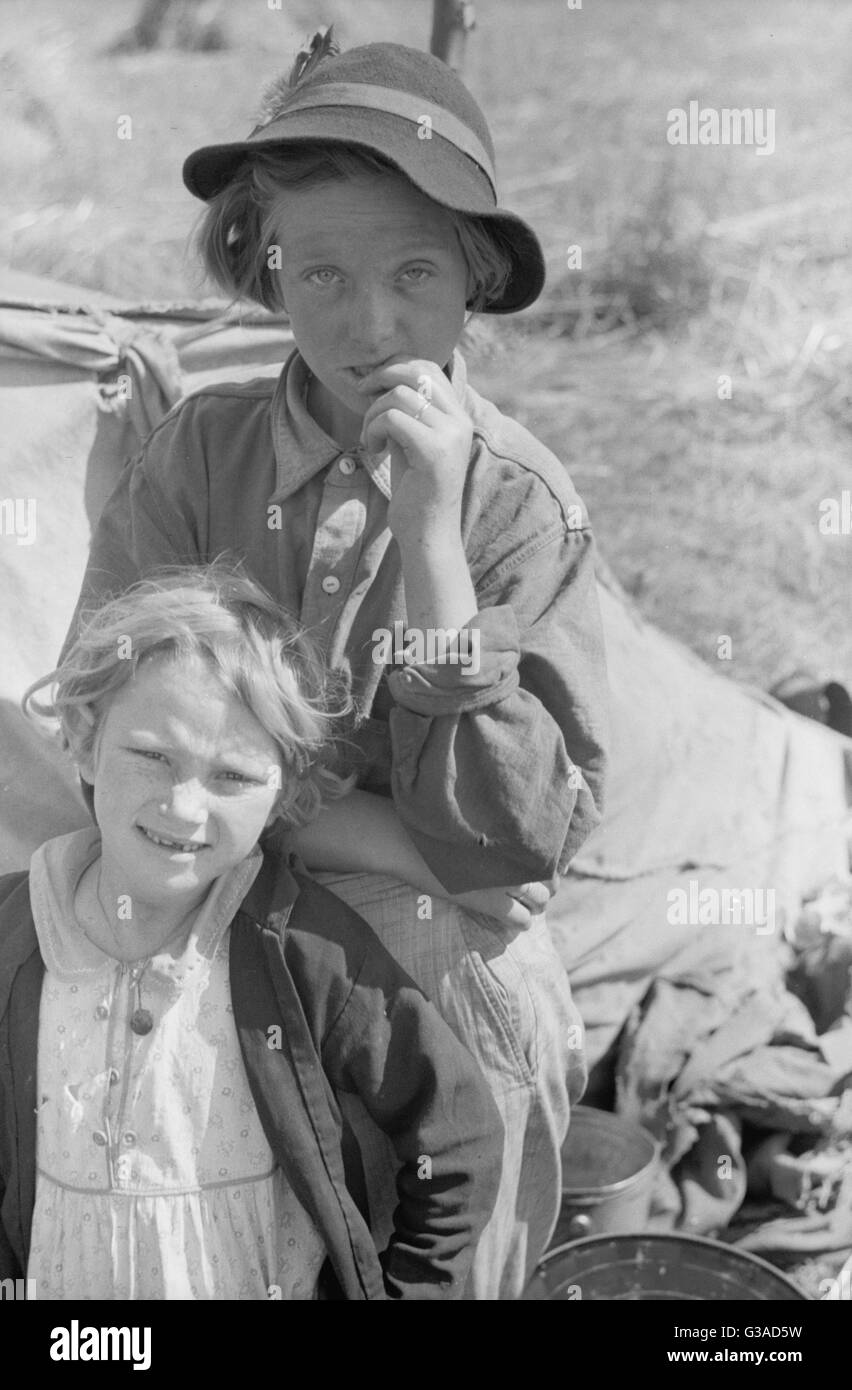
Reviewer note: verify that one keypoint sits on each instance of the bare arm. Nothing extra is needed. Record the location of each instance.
(362, 833)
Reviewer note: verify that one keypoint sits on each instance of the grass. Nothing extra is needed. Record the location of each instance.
(698, 263)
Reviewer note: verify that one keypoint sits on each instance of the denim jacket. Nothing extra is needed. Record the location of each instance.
(496, 774)
(350, 1021)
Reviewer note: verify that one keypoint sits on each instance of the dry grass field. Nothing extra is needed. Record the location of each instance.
(699, 262)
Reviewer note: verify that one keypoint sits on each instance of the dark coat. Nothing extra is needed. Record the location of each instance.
(320, 1008)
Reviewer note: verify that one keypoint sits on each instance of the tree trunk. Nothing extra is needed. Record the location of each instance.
(452, 21)
(190, 24)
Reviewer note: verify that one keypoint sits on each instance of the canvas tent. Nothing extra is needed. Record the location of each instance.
(712, 786)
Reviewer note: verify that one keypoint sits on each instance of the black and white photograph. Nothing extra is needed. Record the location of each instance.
(425, 667)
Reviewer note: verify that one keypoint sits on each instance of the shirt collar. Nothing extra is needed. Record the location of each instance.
(303, 449)
(57, 867)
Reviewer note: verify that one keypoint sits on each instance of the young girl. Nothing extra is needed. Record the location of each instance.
(180, 1011)
(376, 495)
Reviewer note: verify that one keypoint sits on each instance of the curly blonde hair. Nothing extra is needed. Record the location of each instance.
(254, 648)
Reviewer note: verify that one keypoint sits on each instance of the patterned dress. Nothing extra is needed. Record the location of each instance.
(155, 1179)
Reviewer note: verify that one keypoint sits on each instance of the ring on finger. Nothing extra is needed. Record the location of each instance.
(422, 411)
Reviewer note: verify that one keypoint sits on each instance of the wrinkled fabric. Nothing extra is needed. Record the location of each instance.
(101, 343)
(710, 1049)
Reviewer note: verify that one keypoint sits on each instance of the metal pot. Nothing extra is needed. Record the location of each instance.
(608, 1169)
(651, 1268)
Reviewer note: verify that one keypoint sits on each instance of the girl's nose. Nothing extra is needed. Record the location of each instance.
(188, 802)
(373, 320)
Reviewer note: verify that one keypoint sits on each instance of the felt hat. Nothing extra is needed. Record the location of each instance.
(411, 108)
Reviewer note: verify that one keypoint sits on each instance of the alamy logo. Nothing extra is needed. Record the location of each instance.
(409, 646)
(76, 1343)
(726, 907)
(18, 518)
(836, 515)
(18, 1290)
(726, 125)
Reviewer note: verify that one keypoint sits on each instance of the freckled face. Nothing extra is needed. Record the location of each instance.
(372, 271)
(185, 781)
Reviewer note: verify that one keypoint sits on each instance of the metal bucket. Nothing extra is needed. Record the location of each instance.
(608, 1168)
(656, 1267)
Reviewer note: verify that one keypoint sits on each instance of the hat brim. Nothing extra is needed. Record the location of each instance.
(435, 166)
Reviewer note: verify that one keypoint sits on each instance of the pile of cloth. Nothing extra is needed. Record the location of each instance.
(740, 1065)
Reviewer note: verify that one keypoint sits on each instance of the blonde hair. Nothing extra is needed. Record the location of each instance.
(256, 650)
(238, 227)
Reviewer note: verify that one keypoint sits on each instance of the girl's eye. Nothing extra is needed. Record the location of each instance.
(149, 753)
(417, 274)
(239, 778)
(323, 276)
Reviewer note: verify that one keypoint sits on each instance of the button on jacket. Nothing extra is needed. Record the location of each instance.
(305, 971)
(496, 773)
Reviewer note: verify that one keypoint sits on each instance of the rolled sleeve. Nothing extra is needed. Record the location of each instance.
(497, 776)
(456, 687)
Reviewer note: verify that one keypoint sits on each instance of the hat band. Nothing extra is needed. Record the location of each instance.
(424, 114)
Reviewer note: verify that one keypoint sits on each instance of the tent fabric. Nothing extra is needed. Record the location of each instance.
(81, 388)
(712, 786)
(100, 343)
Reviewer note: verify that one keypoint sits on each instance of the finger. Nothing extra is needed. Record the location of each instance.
(510, 910)
(530, 909)
(396, 425)
(403, 398)
(426, 378)
(374, 433)
(519, 915)
(535, 895)
(496, 907)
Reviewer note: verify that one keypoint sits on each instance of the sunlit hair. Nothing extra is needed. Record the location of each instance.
(239, 225)
(254, 649)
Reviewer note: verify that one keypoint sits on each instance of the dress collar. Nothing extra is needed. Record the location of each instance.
(55, 871)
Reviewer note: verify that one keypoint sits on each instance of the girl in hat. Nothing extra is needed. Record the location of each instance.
(436, 550)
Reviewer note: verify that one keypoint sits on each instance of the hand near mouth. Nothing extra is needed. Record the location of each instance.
(420, 422)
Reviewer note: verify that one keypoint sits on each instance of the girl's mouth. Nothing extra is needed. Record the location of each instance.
(359, 374)
(368, 369)
(175, 846)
